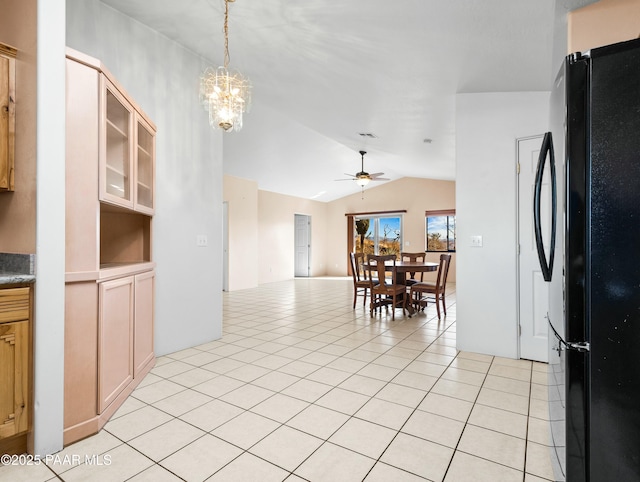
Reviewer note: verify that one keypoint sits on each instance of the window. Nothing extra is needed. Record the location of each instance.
(441, 230)
(378, 234)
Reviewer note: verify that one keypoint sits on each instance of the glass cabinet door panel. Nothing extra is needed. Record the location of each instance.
(118, 157)
(145, 153)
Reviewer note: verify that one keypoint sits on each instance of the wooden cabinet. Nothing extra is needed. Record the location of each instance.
(127, 152)
(143, 321)
(144, 196)
(15, 390)
(125, 333)
(110, 200)
(116, 146)
(7, 115)
(115, 339)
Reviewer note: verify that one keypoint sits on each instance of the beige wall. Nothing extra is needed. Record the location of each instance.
(18, 209)
(603, 23)
(276, 214)
(242, 197)
(411, 194)
(262, 223)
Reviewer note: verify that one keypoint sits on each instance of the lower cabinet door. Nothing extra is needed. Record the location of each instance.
(115, 339)
(14, 378)
(143, 324)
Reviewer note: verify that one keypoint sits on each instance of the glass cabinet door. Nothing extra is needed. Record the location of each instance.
(115, 185)
(144, 167)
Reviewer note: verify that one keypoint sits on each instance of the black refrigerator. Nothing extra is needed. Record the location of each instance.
(594, 314)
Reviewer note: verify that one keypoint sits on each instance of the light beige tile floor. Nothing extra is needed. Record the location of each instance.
(303, 387)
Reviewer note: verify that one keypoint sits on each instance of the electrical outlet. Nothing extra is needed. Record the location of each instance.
(476, 241)
(201, 240)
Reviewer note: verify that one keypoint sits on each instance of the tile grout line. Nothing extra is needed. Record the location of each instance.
(338, 330)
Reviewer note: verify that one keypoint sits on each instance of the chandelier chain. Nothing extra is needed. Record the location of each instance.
(226, 34)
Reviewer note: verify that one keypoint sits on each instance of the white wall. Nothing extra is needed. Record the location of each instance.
(487, 126)
(242, 196)
(162, 77)
(50, 236)
(276, 235)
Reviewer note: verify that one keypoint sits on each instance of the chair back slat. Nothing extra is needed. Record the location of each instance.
(380, 265)
(443, 271)
(354, 267)
(414, 257)
(357, 267)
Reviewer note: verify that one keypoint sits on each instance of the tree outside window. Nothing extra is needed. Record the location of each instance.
(440, 230)
(364, 236)
(378, 235)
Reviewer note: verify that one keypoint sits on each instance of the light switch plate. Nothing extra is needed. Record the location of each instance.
(201, 240)
(476, 241)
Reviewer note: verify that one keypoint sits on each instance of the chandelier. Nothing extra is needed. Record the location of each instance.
(225, 94)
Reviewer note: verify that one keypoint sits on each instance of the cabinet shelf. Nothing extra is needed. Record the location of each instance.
(117, 171)
(110, 271)
(117, 130)
(144, 152)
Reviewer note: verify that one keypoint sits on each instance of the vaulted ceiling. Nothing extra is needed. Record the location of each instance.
(325, 72)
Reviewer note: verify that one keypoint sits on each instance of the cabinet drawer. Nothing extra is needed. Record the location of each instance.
(14, 304)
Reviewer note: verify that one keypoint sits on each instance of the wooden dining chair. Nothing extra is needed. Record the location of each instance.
(437, 289)
(411, 279)
(361, 283)
(386, 291)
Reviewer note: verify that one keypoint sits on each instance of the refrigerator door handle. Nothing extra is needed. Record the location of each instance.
(581, 346)
(547, 147)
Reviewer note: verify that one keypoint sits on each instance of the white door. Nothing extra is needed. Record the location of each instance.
(533, 292)
(302, 244)
(225, 246)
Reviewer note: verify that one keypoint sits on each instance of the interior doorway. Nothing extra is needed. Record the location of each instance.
(302, 246)
(533, 291)
(225, 246)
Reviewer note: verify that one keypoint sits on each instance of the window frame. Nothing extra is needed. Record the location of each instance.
(443, 212)
(377, 229)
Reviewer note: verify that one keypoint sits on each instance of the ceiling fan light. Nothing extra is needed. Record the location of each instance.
(362, 181)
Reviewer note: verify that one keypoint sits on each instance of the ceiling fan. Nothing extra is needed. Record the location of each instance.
(362, 178)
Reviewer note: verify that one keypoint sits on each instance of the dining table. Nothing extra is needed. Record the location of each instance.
(404, 267)
(401, 269)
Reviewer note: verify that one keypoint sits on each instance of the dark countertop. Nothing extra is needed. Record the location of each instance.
(17, 268)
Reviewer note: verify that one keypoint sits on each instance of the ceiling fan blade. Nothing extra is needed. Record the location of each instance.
(351, 177)
(380, 179)
(377, 174)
